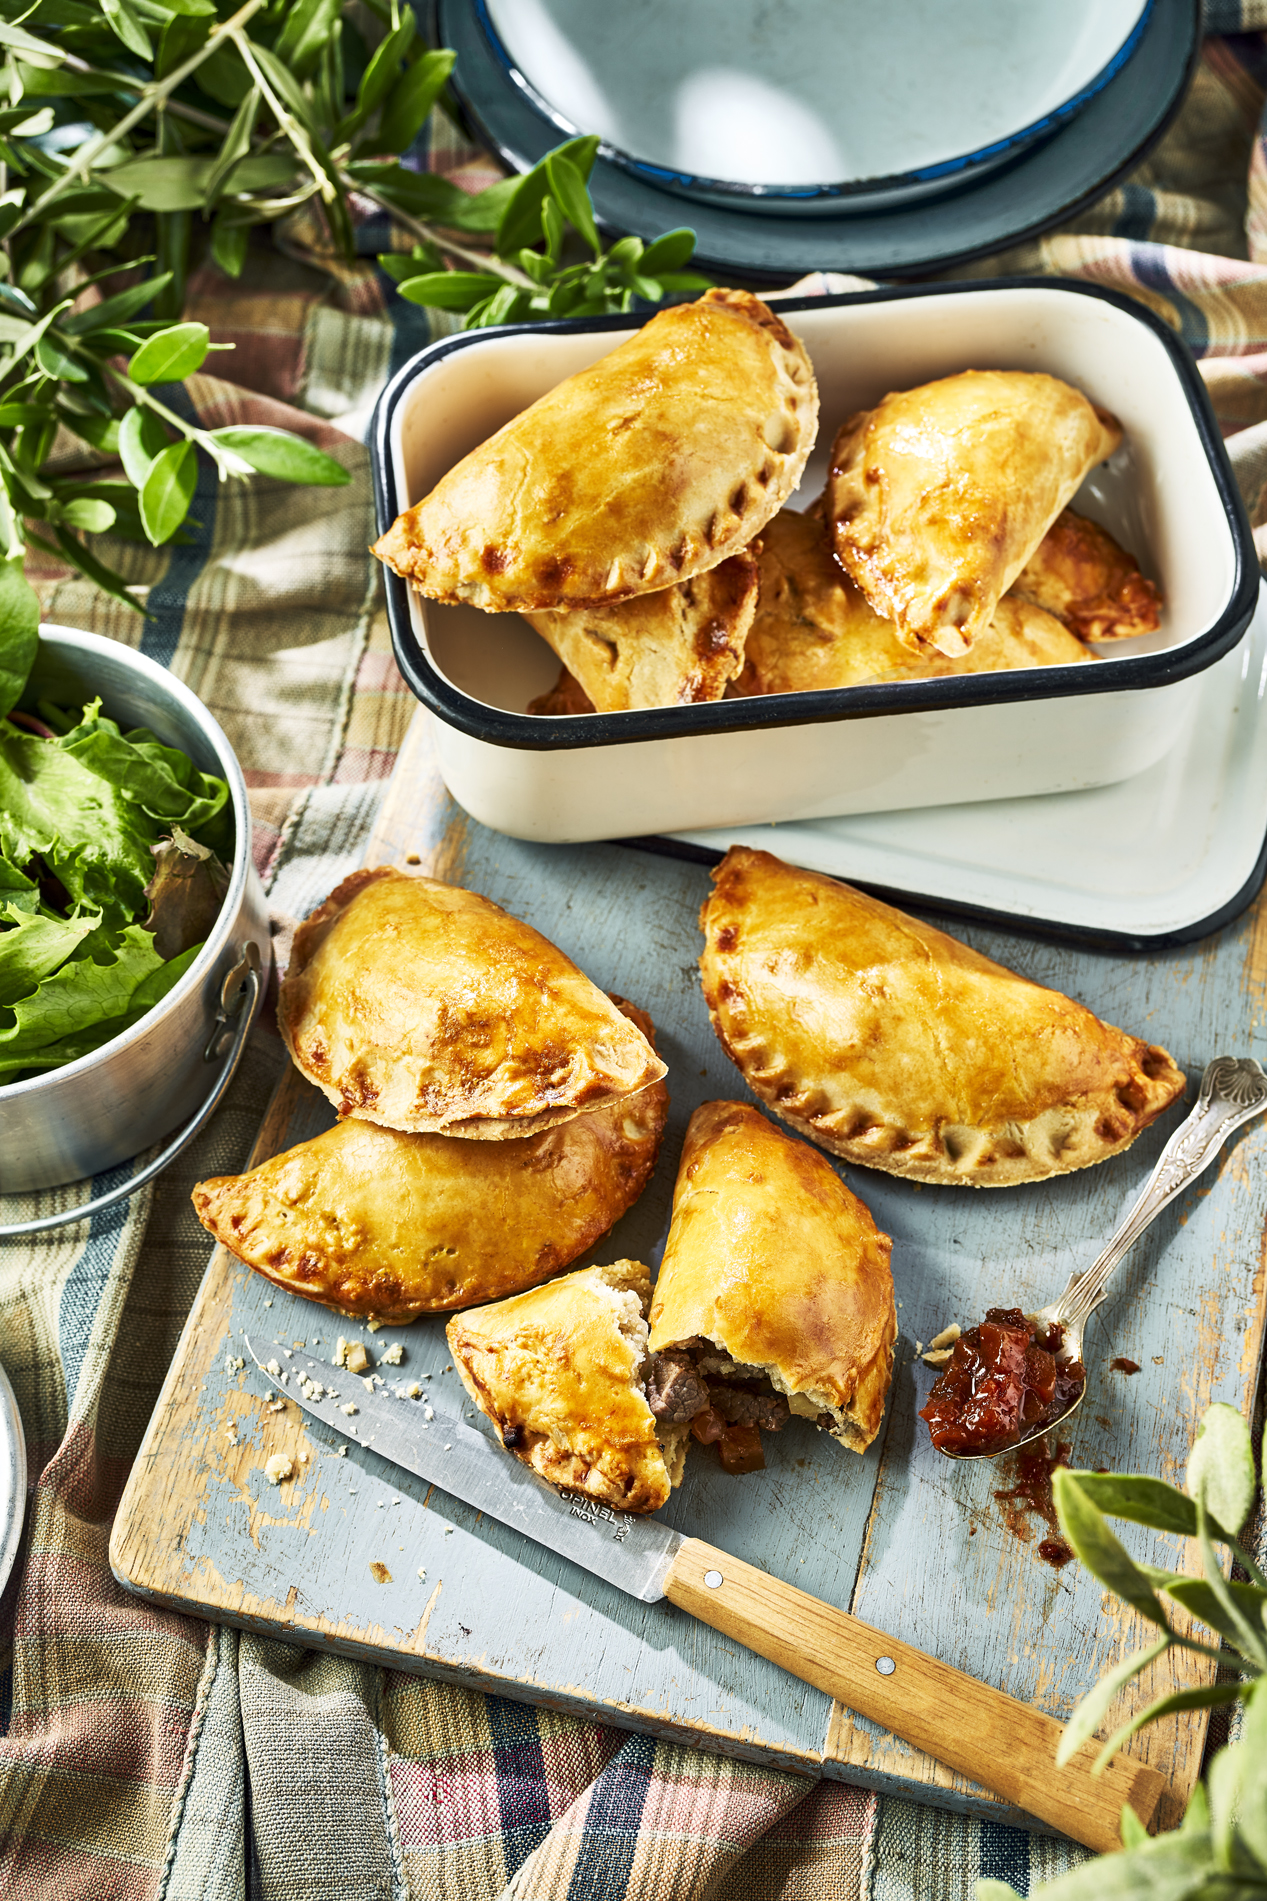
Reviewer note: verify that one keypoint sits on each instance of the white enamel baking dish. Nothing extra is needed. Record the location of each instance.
(1168, 494)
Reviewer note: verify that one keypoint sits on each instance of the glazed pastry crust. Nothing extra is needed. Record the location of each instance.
(374, 1223)
(814, 629)
(771, 1258)
(559, 1373)
(938, 497)
(675, 648)
(897, 1047)
(426, 1008)
(1082, 576)
(657, 462)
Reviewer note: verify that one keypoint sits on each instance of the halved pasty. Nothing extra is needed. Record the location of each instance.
(372, 1222)
(660, 460)
(559, 1372)
(814, 628)
(775, 1295)
(1081, 575)
(893, 1045)
(427, 1008)
(674, 648)
(939, 496)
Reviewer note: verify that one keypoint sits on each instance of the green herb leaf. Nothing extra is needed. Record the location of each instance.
(308, 25)
(169, 489)
(411, 99)
(1088, 1715)
(380, 74)
(118, 309)
(93, 517)
(1222, 1465)
(1209, 1696)
(128, 27)
(19, 632)
(450, 290)
(229, 245)
(278, 453)
(521, 221)
(504, 306)
(142, 438)
(569, 190)
(1099, 1550)
(172, 355)
(163, 183)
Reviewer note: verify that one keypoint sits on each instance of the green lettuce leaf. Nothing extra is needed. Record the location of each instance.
(162, 781)
(94, 996)
(35, 946)
(94, 840)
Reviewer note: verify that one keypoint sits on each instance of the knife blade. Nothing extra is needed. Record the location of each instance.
(991, 1738)
(634, 1554)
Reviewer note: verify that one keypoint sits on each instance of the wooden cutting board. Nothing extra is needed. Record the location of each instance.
(357, 1556)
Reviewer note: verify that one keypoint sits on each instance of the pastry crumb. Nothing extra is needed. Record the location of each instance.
(938, 1356)
(349, 1408)
(279, 1468)
(355, 1358)
(412, 1391)
(231, 1433)
(947, 1336)
(394, 1354)
(373, 1325)
(422, 1571)
(234, 1363)
(380, 1573)
(268, 1303)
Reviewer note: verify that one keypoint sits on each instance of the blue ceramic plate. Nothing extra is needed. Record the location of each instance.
(1043, 186)
(818, 107)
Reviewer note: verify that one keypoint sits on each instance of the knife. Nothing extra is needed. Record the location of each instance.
(1008, 1746)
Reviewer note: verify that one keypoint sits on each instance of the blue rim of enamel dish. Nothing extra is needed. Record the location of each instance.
(948, 172)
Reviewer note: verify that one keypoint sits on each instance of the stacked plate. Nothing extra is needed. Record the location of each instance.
(829, 134)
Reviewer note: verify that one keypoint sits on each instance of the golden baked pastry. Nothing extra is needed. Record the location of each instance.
(567, 697)
(775, 1294)
(559, 1373)
(814, 628)
(893, 1045)
(939, 496)
(372, 1222)
(428, 1008)
(674, 648)
(654, 464)
(1082, 576)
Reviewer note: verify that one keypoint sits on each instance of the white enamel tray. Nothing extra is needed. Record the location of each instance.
(1169, 855)
(12, 1478)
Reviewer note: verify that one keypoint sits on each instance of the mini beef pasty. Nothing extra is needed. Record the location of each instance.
(814, 629)
(429, 1009)
(675, 648)
(938, 497)
(660, 460)
(559, 1372)
(893, 1045)
(775, 1295)
(372, 1222)
(1080, 574)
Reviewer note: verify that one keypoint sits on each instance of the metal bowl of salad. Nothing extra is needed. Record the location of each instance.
(133, 927)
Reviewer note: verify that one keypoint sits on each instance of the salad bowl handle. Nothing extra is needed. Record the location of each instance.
(240, 996)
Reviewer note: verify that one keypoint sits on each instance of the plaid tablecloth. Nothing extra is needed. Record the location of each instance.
(141, 1749)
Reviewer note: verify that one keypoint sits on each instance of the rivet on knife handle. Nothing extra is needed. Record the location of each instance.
(1008, 1746)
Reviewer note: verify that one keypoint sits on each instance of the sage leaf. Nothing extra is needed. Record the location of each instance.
(237, 144)
(668, 253)
(1101, 1552)
(80, 556)
(142, 438)
(1196, 1596)
(94, 517)
(172, 355)
(1087, 1716)
(229, 244)
(278, 453)
(450, 290)
(128, 27)
(118, 309)
(411, 99)
(19, 632)
(521, 221)
(381, 75)
(1221, 1465)
(1208, 1696)
(571, 194)
(168, 490)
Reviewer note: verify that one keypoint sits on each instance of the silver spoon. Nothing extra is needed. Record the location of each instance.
(1233, 1091)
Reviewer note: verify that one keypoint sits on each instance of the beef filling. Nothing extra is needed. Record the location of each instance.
(725, 1404)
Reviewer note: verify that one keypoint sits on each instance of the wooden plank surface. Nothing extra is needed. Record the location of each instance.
(909, 1541)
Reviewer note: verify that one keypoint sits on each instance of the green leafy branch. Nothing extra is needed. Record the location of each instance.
(138, 135)
(1220, 1852)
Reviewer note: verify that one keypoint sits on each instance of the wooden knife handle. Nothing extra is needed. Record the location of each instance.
(1005, 1745)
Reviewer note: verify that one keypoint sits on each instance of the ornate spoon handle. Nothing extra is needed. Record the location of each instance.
(1233, 1091)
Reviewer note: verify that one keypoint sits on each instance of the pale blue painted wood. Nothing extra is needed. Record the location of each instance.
(941, 1570)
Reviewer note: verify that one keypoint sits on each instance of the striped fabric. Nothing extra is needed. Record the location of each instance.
(138, 1749)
